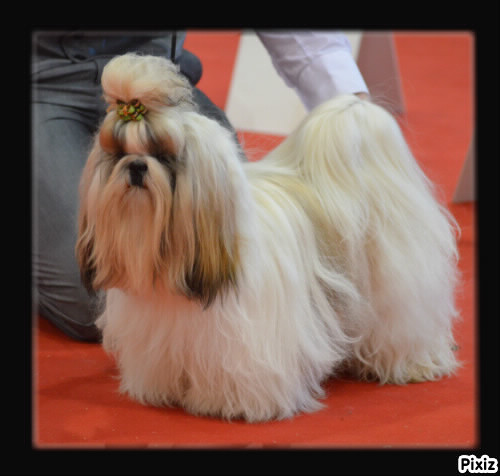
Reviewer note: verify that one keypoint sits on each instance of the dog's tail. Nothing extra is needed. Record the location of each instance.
(398, 241)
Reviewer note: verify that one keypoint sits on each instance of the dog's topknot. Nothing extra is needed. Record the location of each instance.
(155, 81)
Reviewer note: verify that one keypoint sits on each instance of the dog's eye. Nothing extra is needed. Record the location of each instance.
(166, 159)
(169, 162)
(117, 156)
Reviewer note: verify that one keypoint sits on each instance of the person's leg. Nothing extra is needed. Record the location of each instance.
(191, 67)
(208, 108)
(61, 139)
(66, 111)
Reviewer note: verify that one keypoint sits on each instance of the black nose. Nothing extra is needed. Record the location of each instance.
(137, 170)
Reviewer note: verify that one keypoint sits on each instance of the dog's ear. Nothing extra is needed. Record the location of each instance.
(85, 247)
(84, 251)
(89, 183)
(204, 230)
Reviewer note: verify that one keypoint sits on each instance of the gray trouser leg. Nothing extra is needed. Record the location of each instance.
(60, 144)
(66, 109)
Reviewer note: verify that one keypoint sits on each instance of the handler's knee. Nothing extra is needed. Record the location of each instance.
(62, 299)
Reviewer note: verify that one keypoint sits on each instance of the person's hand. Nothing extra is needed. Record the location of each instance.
(363, 96)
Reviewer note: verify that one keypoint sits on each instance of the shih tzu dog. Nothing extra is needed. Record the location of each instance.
(235, 288)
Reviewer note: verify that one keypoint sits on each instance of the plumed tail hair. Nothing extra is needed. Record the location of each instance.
(398, 242)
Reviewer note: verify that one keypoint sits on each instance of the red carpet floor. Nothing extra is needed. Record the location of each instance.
(75, 398)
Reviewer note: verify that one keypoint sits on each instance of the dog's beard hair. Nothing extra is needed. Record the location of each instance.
(235, 289)
(131, 230)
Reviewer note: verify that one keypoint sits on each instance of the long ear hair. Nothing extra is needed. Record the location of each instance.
(207, 206)
(90, 183)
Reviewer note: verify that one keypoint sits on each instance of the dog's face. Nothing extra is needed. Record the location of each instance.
(159, 195)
